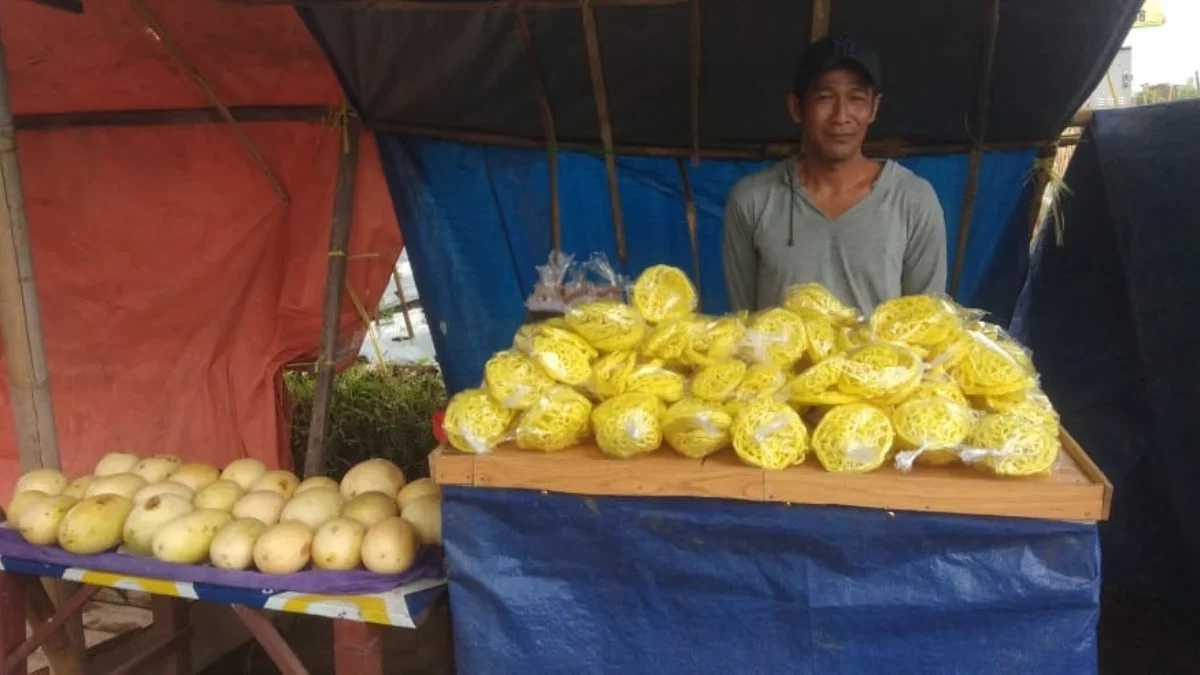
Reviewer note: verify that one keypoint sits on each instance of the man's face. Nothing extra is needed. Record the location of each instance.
(835, 113)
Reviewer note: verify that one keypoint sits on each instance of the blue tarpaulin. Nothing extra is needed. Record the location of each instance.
(1111, 312)
(476, 221)
(551, 583)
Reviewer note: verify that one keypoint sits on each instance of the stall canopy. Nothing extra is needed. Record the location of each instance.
(1110, 312)
(175, 280)
(453, 88)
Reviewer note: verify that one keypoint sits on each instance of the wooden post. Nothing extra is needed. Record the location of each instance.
(600, 93)
(979, 132)
(12, 618)
(20, 313)
(357, 648)
(403, 303)
(335, 281)
(820, 19)
(689, 214)
(548, 126)
(694, 39)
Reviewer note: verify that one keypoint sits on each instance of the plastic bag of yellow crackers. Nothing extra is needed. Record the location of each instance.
(775, 336)
(1011, 444)
(696, 428)
(916, 320)
(564, 355)
(514, 380)
(558, 419)
(718, 382)
(769, 434)
(663, 292)
(607, 325)
(475, 422)
(813, 299)
(853, 438)
(881, 371)
(628, 425)
(931, 430)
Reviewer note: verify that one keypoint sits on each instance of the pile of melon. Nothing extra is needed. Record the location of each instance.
(240, 518)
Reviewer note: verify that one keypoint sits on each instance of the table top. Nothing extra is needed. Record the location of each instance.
(402, 607)
(1076, 490)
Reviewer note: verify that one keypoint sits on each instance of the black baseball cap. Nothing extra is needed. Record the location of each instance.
(829, 53)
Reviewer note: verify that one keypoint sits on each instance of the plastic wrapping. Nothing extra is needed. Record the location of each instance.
(565, 356)
(813, 299)
(761, 379)
(1009, 444)
(817, 385)
(610, 373)
(916, 320)
(775, 336)
(770, 435)
(607, 283)
(547, 293)
(514, 380)
(993, 364)
(930, 430)
(475, 422)
(714, 340)
(696, 428)
(941, 388)
(607, 325)
(822, 338)
(853, 438)
(662, 293)
(653, 377)
(671, 339)
(881, 370)
(628, 425)
(719, 382)
(558, 419)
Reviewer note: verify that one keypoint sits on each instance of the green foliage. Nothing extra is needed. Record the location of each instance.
(376, 412)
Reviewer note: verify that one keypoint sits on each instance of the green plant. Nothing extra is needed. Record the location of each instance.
(376, 412)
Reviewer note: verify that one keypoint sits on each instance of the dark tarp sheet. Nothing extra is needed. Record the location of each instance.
(476, 219)
(469, 69)
(551, 583)
(1112, 318)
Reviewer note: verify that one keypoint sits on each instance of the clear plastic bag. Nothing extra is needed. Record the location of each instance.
(992, 364)
(881, 371)
(719, 382)
(1007, 444)
(761, 379)
(607, 325)
(565, 356)
(817, 385)
(775, 336)
(653, 377)
(769, 435)
(696, 428)
(671, 339)
(548, 291)
(853, 438)
(930, 430)
(1030, 403)
(610, 373)
(475, 422)
(715, 340)
(628, 425)
(813, 299)
(609, 285)
(558, 419)
(514, 380)
(916, 320)
(663, 292)
(822, 338)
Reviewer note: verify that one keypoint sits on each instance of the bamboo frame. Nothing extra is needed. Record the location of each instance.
(548, 126)
(403, 303)
(202, 82)
(335, 282)
(689, 214)
(600, 93)
(980, 133)
(181, 116)
(20, 311)
(820, 19)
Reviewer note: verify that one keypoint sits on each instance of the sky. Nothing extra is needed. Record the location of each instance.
(1169, 53)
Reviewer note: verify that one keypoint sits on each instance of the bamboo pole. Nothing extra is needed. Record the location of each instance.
(238, 131)
(548, 126)
(403, 303)
(335, 282)
(694, 39)
(820, 19)
(600, 93)
(20, 312)
(689, 213)
(144, 118)
(980, 133)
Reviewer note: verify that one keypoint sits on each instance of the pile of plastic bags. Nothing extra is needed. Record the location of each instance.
(922, 381)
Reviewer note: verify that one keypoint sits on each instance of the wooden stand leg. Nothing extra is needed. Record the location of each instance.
(271, 641)
(357, 648)
(12, 618)
(171, 617)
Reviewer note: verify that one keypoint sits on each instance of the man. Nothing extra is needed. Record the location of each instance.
(867, 230)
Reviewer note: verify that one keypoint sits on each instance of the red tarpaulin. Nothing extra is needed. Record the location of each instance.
(174, 282)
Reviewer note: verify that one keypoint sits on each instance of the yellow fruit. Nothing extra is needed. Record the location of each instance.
(426, 516)
(244, 472)
(314, 482)
(21, 502)
(78, 487)
(148, 517)
(163, 488)
(373, 475)
(313, 507)
(233, 546)
(39, 524)
(116, 462)
(196, 475)
(261, 505)
(421, 488)
(370, 508)
(283, 483)
(157, 469)
(93, 525)
(186, 539)
(220, 495)
(390, 546)
(124, 484)
(337, 545)
(283, 549)
(50, 481)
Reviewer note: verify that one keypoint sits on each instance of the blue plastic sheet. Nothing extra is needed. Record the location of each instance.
(551, 583)
(1111, 313)
(476, 220)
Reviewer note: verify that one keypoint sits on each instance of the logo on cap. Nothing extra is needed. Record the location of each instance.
(843, 47)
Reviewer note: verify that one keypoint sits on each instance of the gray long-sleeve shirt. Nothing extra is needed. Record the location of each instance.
(891, 243)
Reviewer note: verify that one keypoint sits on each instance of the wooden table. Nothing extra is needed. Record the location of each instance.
(358, 621)
(1076, 490)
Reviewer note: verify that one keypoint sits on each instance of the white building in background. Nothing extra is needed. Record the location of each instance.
(1116, 88)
